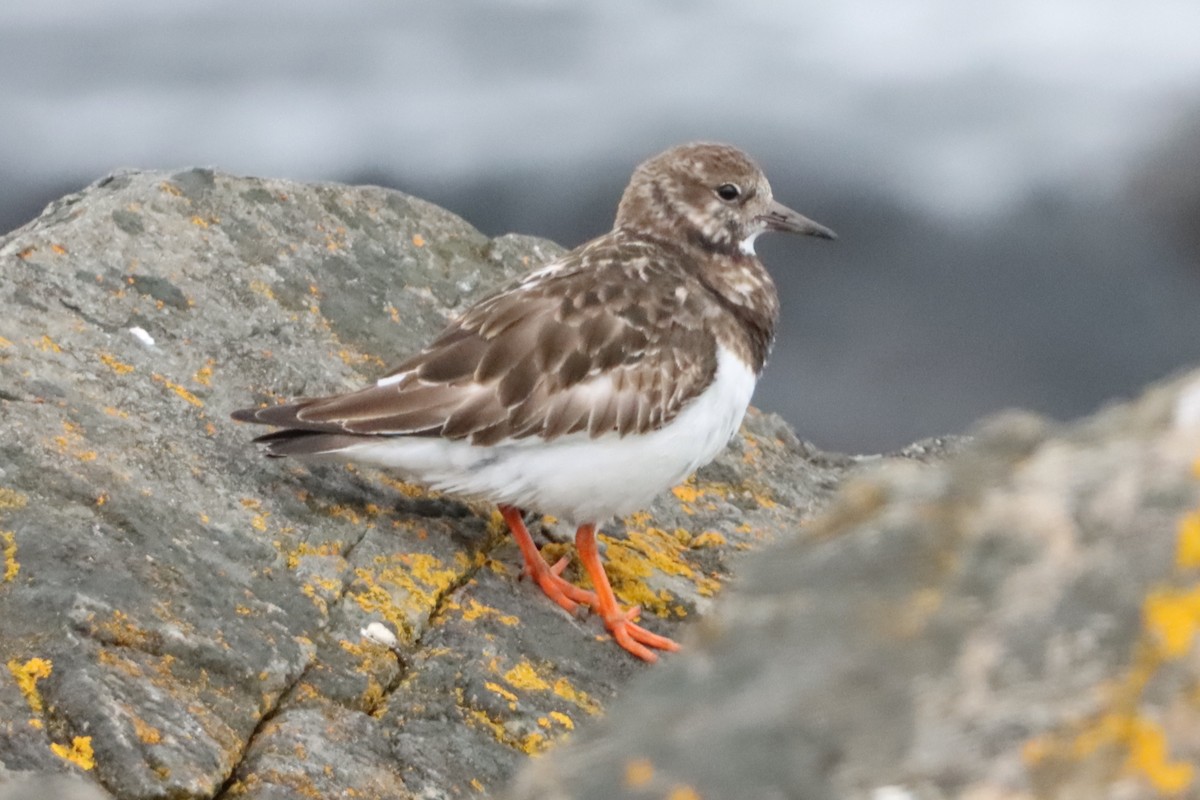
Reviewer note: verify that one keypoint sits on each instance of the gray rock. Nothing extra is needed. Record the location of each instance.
(180, 618)
(1020, 621)
(24, 786)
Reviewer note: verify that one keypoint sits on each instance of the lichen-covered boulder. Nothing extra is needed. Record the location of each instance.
(180, 618)
(1021, 621)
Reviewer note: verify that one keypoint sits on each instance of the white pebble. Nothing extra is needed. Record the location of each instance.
(378, 632)
(143, 337)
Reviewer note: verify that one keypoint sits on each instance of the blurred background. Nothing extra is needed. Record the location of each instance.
(1016, 185)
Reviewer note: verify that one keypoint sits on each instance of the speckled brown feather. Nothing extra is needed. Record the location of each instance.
(600, 341)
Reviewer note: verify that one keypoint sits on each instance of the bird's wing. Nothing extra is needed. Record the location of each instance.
(598, 342)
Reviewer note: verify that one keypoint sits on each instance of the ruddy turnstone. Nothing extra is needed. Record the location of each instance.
(591, 384)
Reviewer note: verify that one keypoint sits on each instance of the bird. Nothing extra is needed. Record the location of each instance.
(589, 385)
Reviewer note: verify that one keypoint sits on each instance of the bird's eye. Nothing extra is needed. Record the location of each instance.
(728, 192)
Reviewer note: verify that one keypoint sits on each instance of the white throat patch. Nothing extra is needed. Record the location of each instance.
(746, 246)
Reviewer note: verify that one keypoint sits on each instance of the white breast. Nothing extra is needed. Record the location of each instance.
(577, 478)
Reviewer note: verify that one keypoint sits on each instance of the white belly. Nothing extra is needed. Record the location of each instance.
(577, 478)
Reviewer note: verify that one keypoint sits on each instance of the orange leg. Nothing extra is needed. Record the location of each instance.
(558, 589)
(633, 638)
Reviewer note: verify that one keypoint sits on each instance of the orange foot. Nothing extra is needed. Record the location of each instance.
(620, 624)
(548, 577)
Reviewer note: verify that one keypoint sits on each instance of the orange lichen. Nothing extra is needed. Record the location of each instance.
(418, 240)
(48, 345)
(179, 390)
(10, 499)
(638, 773)
(683, 792)
(58, 249)
(203, 376)
(353, 359)
(121, 631)
(116, 365)
(407, 489)
(69, 442)
(324, 549)
(261, 288)
(146, 733)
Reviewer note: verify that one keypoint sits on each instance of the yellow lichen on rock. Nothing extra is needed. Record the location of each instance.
(638, 773)
(115, 364)
(1187, 554)
(69, 443)
(525, 676)
(146, 733)
(203, 376)
(27, 674)
(563, 719)
(1172, 617)
(12, 500)
(475, 610)
(78, 753)
(708, 539)
(177, 389)
(403, 587)
(11, 566)
(328, 549)
(683, 792)
(1170, 624)
(630, 561)
(567, 691)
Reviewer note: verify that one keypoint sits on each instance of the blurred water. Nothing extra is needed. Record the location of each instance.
(973, 158)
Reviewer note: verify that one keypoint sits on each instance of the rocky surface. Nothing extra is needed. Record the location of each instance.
(180, 618)
(1021, 621)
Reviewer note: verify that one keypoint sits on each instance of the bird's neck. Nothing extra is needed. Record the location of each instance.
(738, 281)
(745, 289)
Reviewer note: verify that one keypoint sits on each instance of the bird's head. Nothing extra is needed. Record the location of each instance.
(710, 195)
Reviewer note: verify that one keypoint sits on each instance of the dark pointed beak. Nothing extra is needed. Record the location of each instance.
(781, 218)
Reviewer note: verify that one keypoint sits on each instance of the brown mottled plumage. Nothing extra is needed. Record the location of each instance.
(634, 335)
